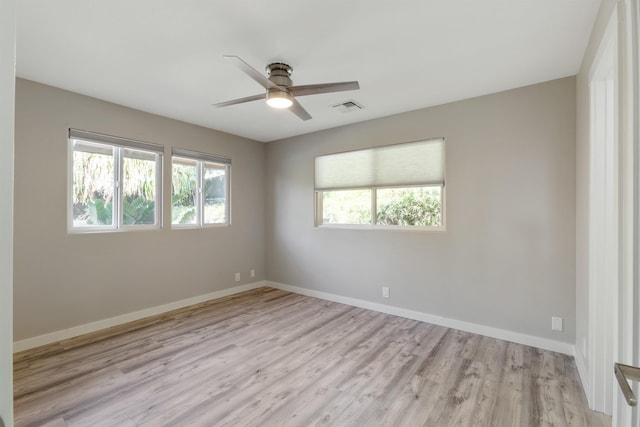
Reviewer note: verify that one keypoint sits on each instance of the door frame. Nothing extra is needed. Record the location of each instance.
(627, 350)
(604, 241)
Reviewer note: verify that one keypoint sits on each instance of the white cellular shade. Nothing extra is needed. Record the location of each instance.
(180, 152)
(413, 163)
(81, 135)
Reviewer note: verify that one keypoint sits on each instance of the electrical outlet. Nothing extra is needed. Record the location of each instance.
(385, 292)
(252, 273)
(237, 277)
(556, 323)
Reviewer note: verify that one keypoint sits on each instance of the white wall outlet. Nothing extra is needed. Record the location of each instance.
(252, 273)
(237, 277)
(556, 323)
(385, 292)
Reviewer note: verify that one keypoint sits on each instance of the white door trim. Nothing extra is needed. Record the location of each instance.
(628, 337)
(603, 221)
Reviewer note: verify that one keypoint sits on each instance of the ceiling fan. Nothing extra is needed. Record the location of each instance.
(280, 92)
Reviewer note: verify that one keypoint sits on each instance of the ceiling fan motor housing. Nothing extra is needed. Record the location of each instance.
(280, 90)
(279, 74)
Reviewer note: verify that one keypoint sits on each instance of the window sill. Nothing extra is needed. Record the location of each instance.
(79, 230)
(380, 228)
(198, 227)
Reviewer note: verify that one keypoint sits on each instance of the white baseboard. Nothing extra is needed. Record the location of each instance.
(583, 372)
(502, 334)
(75, 331)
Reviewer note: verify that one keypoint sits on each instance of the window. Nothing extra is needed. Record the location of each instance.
(115, 183)
(398, 185)
(199, 189)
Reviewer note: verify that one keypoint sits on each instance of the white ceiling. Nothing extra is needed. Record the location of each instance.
(165, 56)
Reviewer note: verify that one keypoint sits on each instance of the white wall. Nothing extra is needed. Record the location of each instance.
(507, 257)
(582, 182)
(64, 280)
(7, 85)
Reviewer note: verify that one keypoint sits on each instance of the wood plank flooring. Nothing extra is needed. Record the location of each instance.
(271, 358)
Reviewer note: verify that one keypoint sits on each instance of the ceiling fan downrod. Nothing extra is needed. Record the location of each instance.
(279, 73)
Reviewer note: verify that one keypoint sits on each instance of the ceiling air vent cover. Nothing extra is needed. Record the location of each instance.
(347, 106)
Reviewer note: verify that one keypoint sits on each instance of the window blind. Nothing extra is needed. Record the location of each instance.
(407, 164)
(114, 140)
(180, 152)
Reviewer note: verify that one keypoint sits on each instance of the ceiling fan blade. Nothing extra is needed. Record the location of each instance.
(323, 88)
(299, 110)
(252, 72)
(239, 100)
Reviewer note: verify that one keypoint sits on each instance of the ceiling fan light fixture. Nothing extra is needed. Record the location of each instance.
(278, 98)
(281, 93)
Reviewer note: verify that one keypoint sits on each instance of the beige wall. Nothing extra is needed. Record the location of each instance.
(64, 280)
(582, 179)
(7, 79)
(506, 260)
(507, 257)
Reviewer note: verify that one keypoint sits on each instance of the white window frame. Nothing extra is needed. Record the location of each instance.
(319, 222)
(201, 159)
(318, 200)
(118, 145)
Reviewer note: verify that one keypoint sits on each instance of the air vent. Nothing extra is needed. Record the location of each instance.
(347, 106)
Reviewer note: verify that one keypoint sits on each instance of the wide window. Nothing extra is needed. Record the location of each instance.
(115, 183)
(398, 185)
(199, 189)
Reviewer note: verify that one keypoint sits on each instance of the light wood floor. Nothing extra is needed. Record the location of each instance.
(272, 358)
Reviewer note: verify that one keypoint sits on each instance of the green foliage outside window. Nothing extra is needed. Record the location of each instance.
(94, 186)
(135, 210)
(409, 206)
(184, 190)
